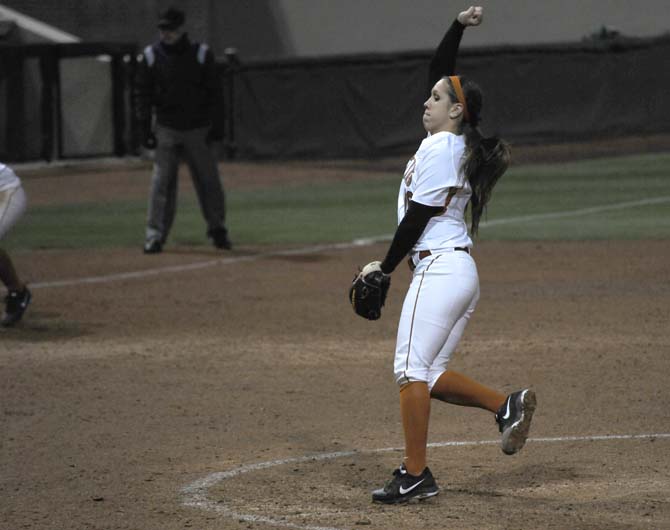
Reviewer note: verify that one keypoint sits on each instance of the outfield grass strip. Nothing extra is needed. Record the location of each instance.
(575, 213)
(320, 248)
(542, 216)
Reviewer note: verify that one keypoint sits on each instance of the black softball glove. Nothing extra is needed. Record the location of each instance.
(368, 290)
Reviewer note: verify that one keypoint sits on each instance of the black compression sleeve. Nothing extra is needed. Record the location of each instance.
(444, 60)
(408, 233)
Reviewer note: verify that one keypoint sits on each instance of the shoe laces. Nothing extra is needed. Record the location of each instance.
(397, 473)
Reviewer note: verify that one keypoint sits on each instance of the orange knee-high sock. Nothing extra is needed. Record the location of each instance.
(415, 412)
(459, 389)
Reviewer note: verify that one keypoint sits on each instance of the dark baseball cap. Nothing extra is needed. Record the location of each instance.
(171, 19)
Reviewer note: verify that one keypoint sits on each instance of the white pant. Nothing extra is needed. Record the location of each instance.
(12, 205)
(441, 298)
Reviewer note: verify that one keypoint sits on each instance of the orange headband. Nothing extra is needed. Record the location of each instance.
(456, 83)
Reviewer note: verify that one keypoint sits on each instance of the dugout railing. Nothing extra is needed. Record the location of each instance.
(65, 100)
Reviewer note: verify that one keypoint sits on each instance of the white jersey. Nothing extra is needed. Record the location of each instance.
(434, 177)
(8, 178)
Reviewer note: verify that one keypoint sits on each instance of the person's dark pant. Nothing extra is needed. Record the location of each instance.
(190, 144)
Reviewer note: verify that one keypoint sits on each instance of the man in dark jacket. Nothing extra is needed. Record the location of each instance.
(177, 80)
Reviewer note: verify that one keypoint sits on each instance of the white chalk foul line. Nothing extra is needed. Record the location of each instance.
(193, 266)
(576, 213)
(195, 494)
(321, 248)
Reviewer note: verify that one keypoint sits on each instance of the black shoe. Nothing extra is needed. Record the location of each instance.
(220, 239)
(153, 246)
(514, 420)
(16, 303)
(403, 487)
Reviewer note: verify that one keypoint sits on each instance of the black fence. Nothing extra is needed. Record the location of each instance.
(37, 120)
(353, 106)
(372, 105)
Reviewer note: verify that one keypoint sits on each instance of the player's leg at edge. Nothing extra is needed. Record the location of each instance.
(18, 296)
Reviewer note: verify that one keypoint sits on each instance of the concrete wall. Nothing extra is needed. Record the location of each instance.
(286, 28)
(320, 27)
(251, 25)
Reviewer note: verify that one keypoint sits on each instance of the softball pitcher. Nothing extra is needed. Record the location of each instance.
(12, 206)
(453, 169)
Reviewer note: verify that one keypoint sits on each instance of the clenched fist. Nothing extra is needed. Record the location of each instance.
(472, 16)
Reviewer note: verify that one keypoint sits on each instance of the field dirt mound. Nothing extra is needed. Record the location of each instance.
(195, 389)
(221, 373)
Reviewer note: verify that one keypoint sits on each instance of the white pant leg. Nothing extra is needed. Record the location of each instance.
(442, 360)
(443, 289)
(12, 205)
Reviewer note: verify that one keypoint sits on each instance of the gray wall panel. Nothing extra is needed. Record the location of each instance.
(287, 28)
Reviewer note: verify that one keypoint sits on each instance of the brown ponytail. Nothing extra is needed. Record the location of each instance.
(486, 159)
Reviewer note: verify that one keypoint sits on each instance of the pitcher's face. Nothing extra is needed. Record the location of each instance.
(439, 112)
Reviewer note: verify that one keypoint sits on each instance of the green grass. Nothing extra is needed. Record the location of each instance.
(545, 189)
(323, 213)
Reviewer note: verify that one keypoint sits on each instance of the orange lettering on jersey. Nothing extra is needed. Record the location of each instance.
(409, 171)
(408, 197)
(450, 195)
(452, 192)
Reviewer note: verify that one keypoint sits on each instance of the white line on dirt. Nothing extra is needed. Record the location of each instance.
(326, 247)
(575, 213)
(191, 266)
(195, 494)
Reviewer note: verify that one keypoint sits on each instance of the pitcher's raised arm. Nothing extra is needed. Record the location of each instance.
(443, 62)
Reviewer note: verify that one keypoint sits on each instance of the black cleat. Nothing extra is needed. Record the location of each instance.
(16, 303)
(153, 246)
(514, 419)
(403, 487)
(220, 239)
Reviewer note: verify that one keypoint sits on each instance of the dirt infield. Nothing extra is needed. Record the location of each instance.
(203, 390)
(124, 400)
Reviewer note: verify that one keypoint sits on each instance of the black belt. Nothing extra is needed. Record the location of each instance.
(426, 253)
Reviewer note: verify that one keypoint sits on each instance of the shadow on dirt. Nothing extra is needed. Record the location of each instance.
(40, 327)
